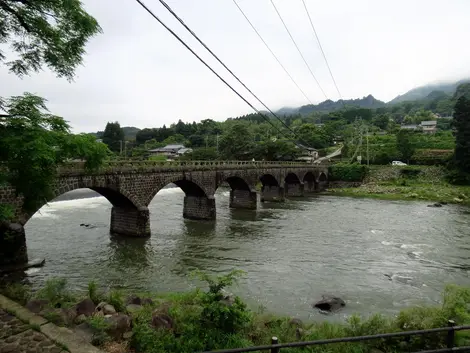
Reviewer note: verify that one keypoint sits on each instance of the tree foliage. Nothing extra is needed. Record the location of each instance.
(113, 136)
(45, 33)
(462, 138)
(405, 145)
(34, 142)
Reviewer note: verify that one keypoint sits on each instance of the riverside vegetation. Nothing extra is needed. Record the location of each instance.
(211, 319)
(428, 183)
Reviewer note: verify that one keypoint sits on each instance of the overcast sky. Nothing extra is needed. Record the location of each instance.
(138, 74)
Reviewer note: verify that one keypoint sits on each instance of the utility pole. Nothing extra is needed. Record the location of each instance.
(367, 139)
(217, 142)
(120, 147)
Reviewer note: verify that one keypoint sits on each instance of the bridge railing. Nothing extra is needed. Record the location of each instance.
(117, 166)
(449, 331)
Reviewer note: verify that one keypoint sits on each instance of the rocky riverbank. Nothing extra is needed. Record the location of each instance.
(410, 183)
(211, 319)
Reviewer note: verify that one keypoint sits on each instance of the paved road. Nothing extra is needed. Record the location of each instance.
(18, 337)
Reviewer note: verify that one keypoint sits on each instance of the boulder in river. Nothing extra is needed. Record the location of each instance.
(330, 303)
(435, 205)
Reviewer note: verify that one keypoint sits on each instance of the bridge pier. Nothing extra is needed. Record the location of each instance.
(13, 249)
(243, 199)
(199, 207)
(272, 193)
(294, 190)
(133, 222)
(310, 187)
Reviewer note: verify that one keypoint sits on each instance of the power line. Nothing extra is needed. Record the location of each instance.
(274, 55)
(321, 48)
(205, 64)
(298, 49)
(223, 64)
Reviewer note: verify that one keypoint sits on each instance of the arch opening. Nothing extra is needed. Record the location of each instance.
(196, 203)
(271, 190)
(269, 180)
(322, 177)
(237, 183)
(241, 195)
(310, 183)
(292, 178)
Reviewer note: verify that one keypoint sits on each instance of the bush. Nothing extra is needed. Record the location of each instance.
(98, 326)
(18, 292)
(116, 299)
(56, 292)
(348, 172)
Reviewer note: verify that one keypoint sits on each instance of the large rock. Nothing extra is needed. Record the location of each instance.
(85, 307)
(106, 308)
(118, 325)
(436, 205)
(330, 303)
(147, 301)
(162, 321)
(133, 299)
(37, 305)
(132, 309)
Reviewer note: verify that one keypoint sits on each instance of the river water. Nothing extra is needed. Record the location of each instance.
(292, 253)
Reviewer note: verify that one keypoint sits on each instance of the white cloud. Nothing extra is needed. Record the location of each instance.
(138, 74)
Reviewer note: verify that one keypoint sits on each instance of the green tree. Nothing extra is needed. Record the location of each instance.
(33, 142)
(32, 145)
(404, 145)
(45, 33)
(237, 142)
(202, 154)
(313, 136)
(113, 136)
(462, 137)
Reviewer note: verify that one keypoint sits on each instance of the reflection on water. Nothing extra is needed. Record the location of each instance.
(378, 255)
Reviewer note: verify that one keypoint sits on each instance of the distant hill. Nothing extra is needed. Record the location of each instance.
(329, 105)
(423, 92)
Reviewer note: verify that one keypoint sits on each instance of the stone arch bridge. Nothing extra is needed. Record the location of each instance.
(131, 186)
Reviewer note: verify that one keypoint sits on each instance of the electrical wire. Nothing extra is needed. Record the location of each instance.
(225, 66)
(298, 49)
(321, 49)
(207, 65)
(272, 53)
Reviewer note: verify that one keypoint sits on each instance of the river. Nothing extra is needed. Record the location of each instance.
(292, 252)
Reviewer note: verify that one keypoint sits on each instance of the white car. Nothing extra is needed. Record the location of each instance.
(398, 163)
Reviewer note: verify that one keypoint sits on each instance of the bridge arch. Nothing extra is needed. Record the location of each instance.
(310, 182)
(198, 202)
(294, 186)
(269, 180)
(322, 177)
(292, 178)
(118, 197)
(322, 181)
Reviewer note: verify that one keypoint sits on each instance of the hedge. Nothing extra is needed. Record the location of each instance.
(347, 172)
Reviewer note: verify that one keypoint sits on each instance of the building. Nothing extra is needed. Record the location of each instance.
(170, 151)
(308, 154)
(429, 127)
(412, 127)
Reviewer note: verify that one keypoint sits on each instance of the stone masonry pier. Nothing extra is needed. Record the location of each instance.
(131, 186)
